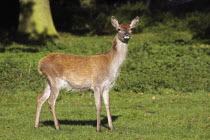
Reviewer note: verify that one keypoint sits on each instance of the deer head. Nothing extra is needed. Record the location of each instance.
(124, 30)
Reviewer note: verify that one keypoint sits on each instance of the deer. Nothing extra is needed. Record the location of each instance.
(75, 72)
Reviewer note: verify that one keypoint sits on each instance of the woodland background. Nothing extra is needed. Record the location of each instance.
(163, 89)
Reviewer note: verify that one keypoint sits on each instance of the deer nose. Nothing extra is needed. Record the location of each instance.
(127, 36)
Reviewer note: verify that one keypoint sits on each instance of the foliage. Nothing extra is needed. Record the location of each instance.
(89, 17)
(160, 63)
(96, 20)
(156, 61)
(199, 24)
(19, 73)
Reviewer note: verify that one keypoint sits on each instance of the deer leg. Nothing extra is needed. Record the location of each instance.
(97, 96)
(51, 101)
(40, 100)
(107, 105)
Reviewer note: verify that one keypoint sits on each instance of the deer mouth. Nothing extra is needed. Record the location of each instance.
(126, 37)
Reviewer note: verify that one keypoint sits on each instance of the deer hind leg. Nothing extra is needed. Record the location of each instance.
(40, 100)
(107, 105)
(97, 96)
(52, 99)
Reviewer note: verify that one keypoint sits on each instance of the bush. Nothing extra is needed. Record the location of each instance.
(96, 19)
(196, 23)
(155, 62)
(19, 73)
(152, 66)
(199, 24)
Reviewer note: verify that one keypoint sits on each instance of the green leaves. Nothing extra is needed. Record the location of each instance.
(154, 62)
(152, 65)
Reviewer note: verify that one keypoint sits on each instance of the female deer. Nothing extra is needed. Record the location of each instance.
(95, 72)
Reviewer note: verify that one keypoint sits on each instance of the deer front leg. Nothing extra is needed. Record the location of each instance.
(97, 96)
(107, 105)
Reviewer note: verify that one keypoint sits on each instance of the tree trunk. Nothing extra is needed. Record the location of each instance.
(35, 20)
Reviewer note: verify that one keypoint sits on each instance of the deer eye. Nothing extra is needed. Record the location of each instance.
(118, 29)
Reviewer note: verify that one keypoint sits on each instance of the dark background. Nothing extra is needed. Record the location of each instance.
(93, 17)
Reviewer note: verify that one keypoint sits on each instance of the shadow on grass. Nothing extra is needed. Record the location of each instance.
(104, 122)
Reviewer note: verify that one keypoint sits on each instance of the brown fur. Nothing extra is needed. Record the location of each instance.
(95, 72)
(125, 27)
(87, 67)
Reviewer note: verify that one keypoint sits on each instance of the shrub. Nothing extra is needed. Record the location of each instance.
(19, 73)
(151, 67)
(199, 24)
(154, 63)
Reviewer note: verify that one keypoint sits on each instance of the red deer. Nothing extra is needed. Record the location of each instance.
(75, 72)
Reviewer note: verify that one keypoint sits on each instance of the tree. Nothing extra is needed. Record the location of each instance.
(35, 20)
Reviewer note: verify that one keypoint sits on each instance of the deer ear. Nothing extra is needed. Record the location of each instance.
(114, 22)
(134, 22)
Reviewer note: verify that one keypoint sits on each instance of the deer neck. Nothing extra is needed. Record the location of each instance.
(119, 50)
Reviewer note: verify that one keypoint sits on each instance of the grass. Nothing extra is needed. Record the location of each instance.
(169, 115)
(162, 92)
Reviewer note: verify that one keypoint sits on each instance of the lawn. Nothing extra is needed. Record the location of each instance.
(162, 92)
(170, 115)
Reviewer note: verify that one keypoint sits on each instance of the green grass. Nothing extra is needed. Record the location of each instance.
(170, 115)
(162, 92)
